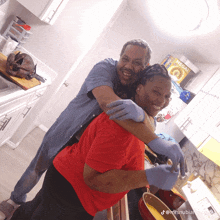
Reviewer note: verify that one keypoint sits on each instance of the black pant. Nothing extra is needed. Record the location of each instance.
(56, 200)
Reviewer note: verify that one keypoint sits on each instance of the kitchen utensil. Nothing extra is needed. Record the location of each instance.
(25, 26)
(38, 77)
(152, 208)
(22, 82)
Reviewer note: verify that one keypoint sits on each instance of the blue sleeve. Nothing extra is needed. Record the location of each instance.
(102, 74)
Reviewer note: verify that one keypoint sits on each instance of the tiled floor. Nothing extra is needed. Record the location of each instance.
(14, 162)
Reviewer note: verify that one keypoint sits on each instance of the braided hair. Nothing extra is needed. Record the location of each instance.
(129, 91)
(150, 71)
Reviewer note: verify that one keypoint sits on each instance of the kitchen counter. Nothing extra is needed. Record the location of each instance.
(15, 105)
(18, 107)
(10, 90)
(14, 91)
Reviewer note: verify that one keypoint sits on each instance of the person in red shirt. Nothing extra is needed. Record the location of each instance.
(107, 162)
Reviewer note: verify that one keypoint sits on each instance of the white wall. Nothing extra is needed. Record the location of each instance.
(59, 46)
(74, 32)
(129, 25)
(204, 48)
(108, 45)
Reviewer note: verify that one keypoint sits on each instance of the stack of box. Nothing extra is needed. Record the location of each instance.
(179, 72)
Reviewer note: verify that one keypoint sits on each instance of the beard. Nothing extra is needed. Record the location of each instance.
(124, 91)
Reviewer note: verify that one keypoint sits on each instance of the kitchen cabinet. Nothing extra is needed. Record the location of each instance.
(20, 115)
(200, 120)
(211, 149)
(46, 10)
(9, 123)
(24, 104)
(15, 109)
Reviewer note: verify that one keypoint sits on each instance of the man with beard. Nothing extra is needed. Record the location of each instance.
(93, 98)
(107, 162)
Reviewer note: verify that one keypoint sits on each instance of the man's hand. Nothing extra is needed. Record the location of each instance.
(171, 150)
(162, 177)
(125, 109)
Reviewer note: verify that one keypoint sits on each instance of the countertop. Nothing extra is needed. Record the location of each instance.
(13, 91)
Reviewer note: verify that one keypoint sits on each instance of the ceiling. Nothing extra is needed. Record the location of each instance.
(197, 47)
(202, 21)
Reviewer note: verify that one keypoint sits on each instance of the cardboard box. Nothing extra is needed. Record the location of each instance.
(177, 69)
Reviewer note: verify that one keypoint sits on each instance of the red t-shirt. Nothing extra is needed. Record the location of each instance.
(103, 146)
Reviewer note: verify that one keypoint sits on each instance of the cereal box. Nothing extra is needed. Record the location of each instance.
(176, 68)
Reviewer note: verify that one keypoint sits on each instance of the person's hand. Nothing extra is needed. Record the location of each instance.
(171, 150)
(162, 177)
(125, 109)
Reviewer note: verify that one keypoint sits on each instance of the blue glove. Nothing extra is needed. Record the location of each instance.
(161, 177)
(125, 109)
(171, 150)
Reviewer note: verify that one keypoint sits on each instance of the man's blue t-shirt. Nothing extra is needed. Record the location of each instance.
(81, 109)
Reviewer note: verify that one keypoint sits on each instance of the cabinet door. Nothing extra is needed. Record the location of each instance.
(46, 10)
(211, 149)
(8, 123)
(22, 114)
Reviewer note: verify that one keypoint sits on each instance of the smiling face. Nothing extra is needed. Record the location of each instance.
(132, 61)
(154, 95)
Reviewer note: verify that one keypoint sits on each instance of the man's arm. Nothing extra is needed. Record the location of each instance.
(143, 131)
(114, 181)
